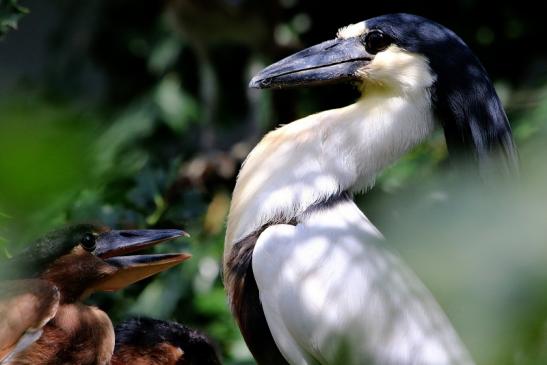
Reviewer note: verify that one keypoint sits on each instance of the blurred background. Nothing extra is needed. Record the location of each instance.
(137, 114)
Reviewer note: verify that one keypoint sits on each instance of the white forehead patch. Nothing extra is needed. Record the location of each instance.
(352, 30)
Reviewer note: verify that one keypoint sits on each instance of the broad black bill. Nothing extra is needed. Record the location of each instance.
(328, 62)
(117, 243)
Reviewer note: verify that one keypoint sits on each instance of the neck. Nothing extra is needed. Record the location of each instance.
(314, 158)
(76, 274)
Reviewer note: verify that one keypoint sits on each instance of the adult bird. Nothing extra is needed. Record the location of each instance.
(42, 317)
(147, 341)
(307, 276)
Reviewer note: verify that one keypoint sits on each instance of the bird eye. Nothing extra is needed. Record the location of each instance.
(88, 242)
(376, 41)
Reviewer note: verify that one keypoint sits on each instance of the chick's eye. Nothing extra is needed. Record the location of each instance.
(88, 242)
(376, 41)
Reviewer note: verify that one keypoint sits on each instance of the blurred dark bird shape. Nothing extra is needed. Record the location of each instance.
(42, 317)
(147, 341)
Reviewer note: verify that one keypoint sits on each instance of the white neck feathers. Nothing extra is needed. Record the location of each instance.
(323, 154)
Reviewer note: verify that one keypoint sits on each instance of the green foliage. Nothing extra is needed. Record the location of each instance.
(10, 14)
(44, 159)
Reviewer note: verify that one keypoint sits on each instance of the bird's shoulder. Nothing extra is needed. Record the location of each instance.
(26, 306)
(298, 269)
(336, 224)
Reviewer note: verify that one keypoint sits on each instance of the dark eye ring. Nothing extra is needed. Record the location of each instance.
(89, 242)
(376, 41)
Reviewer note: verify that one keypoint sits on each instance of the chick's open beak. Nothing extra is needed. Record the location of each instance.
(112, 245)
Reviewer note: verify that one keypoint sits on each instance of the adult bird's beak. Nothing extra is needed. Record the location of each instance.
(331, 61)
(111, 245)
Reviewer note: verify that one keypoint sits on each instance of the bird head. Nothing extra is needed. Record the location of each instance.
(140, 340)
(401, 55)
(82, 259)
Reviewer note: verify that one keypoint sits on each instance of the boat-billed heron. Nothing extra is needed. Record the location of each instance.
(308, 277)
(42, 317)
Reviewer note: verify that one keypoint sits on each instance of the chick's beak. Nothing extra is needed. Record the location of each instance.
(331, 61)
(111, 245)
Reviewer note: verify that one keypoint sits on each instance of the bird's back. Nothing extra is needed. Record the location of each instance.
(78, 334)
(26, 306)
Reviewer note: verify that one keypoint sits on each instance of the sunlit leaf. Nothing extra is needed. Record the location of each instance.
(176, 107)
(10, 14)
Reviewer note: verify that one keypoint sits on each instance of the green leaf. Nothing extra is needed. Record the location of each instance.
(176, 107)
(4, 216)
(10, 14)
